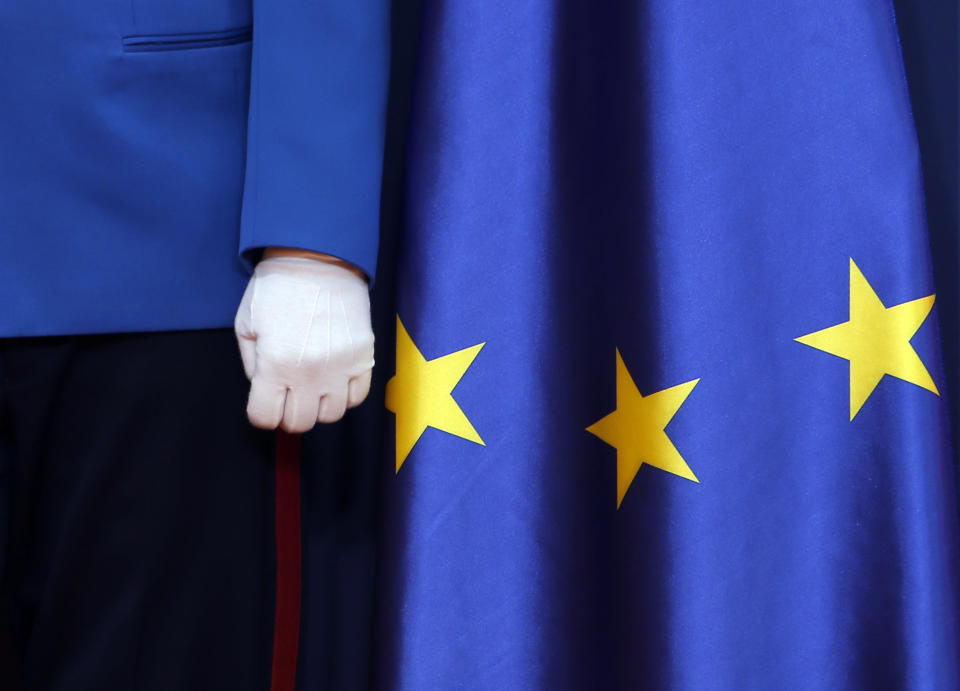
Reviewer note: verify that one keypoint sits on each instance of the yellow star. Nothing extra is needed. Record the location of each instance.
(420, 394)
(636, 429)
(876, 340)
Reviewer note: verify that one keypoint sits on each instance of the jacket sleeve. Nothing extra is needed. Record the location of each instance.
(318, 91)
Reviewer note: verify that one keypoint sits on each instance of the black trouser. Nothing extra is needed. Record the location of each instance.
(136, 516)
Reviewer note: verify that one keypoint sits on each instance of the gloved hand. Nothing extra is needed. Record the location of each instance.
(305, 339)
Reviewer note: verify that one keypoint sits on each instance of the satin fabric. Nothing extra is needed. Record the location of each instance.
(685, 182)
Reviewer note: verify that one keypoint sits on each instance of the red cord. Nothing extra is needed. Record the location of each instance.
(286, 627)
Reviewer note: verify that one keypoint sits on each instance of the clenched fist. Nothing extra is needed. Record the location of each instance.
(306, 342)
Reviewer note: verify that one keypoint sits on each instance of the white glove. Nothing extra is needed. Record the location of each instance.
(305, 339)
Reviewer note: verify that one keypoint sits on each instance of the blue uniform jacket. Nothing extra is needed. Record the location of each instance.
(148, 148)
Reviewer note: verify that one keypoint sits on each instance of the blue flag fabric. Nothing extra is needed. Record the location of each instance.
(667, 393)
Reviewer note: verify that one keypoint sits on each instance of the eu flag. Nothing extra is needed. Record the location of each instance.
(667, 395)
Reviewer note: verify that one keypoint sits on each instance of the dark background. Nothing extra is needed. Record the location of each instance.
(928, 37)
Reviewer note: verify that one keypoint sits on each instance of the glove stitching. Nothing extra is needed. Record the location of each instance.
(306, 336)
(253, 299)
(346, 320)
(326, 359)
